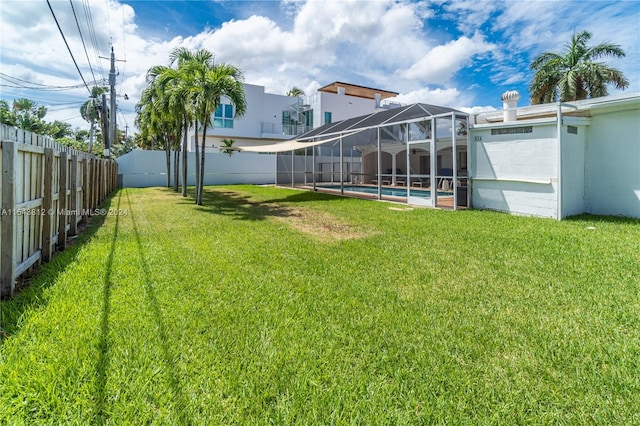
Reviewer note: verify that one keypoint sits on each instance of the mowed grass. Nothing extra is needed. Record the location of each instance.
(274, 306)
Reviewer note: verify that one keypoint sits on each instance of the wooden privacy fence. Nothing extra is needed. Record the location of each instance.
(48, 189)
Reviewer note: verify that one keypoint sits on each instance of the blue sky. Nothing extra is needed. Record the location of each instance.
(463, 54)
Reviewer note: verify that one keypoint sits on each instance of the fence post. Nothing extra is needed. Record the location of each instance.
(47, 205)
(73, 183)
(62, 200)
(94, 183)
(7, 254)
(85, 189)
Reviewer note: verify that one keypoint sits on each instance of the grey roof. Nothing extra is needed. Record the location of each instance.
(378, 118)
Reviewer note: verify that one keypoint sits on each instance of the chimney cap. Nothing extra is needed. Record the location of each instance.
(511, 95)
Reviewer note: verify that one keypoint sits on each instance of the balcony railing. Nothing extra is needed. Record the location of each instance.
(288, 130)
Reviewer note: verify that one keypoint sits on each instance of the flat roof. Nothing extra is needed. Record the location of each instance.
(358, 91)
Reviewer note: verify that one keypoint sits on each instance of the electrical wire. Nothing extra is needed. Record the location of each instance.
(92, 35)
(19, 84)
(68, 48)
(73, 9)
(108, 21)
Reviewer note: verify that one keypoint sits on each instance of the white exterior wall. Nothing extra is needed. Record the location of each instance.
(613, 162)
(573, 171)
(260, 125)
(262, 122)
(515, 175)
(341, 107)
(140, 169)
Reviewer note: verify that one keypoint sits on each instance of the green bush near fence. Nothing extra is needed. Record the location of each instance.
(277, 306)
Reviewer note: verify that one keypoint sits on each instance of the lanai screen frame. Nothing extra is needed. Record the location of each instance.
(340, 131)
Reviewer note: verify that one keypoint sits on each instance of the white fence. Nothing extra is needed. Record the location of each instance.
(139, 169)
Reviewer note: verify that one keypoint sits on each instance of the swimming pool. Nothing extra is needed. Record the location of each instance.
(392, 192)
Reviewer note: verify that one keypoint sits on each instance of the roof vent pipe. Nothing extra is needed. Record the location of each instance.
(510, 105)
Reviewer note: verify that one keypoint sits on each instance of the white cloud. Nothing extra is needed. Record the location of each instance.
(446, 97)
(477, 109)
(441, 63)
(471, 14)
(394, 45)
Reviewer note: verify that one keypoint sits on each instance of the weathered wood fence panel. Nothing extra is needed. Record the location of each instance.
(47, 190)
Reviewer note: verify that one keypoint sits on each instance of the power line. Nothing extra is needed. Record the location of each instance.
(92, 34)
(108, 22)
(68, 48)
(18, 83)
(73, 9)
(124, 46)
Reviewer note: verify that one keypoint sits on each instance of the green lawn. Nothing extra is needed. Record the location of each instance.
(277, 306)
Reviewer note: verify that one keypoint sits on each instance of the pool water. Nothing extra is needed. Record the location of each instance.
(393, 192)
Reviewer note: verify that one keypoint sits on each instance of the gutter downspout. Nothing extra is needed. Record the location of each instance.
(559, 214)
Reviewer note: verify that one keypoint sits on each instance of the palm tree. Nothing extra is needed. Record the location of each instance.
(212, 82)
(295, 92)
(29, 115)
(90, 111)
(575, 74)
(188, 94)
(157, 119)
(172, 88)
(228, 146)
(180, 56)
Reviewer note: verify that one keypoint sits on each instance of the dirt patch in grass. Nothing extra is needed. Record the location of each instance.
(320, 225)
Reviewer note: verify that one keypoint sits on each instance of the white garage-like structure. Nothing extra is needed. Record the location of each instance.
(558, 160)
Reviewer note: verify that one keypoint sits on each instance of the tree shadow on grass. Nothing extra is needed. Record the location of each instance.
(168, 355)
(241, 206)
(590, 219)
(31, 293)
(103, 341)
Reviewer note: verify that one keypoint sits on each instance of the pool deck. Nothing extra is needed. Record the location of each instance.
(444, 201)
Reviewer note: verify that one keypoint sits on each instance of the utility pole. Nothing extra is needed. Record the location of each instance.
(105, 124)
(111, 135)
(112, 112)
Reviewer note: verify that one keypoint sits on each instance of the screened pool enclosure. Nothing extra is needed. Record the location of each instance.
(415, 154)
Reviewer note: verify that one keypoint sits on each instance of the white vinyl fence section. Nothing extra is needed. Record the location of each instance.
(47, 190)
(140, 169)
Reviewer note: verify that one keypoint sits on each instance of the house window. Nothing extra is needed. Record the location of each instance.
(223, 117)
(572, 129)
(327, 117)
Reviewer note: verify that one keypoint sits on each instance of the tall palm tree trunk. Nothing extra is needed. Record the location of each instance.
(197, 163)
(176, 167)
(184, 158)
(201, 186)
(167, 150)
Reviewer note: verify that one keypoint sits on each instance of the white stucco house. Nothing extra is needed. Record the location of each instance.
(552, 160)
(271, 118)
(558, 160)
